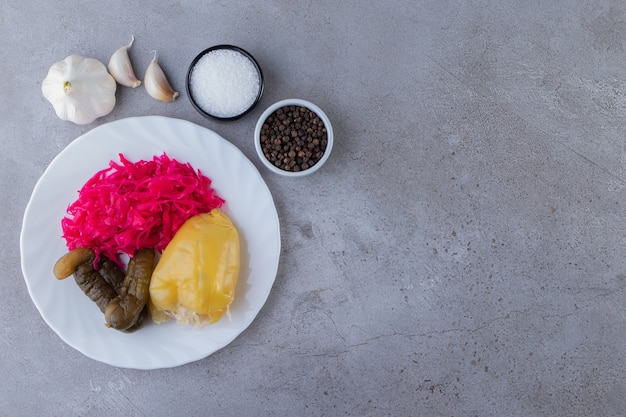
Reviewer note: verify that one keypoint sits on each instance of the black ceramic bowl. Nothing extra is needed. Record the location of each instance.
(192, 91)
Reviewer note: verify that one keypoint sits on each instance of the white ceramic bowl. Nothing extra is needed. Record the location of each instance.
(293, 102)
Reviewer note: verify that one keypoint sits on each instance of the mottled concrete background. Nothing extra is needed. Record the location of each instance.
(462, 253)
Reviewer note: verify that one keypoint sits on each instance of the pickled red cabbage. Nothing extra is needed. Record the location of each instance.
(135, 205)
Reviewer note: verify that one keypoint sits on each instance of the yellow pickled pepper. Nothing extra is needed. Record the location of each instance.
(195, 279)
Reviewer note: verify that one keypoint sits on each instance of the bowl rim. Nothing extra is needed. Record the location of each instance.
(293, 102)
(232, 48)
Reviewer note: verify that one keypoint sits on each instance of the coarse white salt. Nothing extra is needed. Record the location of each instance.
(224, 83)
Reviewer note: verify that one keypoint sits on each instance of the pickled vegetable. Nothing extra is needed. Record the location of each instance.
(121, 297)
(132, 205)
(98, 285)
(94, 285)
(67, 264)
(195, 279)
(125, 309)
(112, 274)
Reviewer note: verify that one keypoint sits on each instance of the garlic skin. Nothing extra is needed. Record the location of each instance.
(80, 89)
(121, 68)
(156, 82)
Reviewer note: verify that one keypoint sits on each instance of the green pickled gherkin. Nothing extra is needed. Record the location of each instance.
(125, 310)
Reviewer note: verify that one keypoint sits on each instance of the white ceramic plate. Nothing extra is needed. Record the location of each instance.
(76, 319)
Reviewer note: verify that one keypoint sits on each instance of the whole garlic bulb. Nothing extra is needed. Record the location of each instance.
(80, 89)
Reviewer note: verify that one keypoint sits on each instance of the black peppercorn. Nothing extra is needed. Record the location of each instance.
(293, 138)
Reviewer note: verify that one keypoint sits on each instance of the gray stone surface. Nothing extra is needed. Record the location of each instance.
(462, 253)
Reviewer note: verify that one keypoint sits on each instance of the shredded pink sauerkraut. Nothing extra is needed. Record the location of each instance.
(130, 206)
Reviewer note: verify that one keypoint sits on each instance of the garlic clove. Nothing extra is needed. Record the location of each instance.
(121, 68)
(156, 82)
